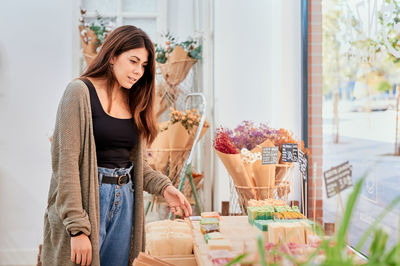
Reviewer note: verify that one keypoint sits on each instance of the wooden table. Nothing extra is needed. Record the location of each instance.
(234, 228)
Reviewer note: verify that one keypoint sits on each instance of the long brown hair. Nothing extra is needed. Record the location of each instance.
(141, 95)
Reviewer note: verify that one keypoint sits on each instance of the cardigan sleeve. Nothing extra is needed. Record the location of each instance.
(66, 150)
(154, 182)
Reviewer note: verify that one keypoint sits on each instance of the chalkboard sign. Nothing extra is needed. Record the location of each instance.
(289, 152)
(270, 155)
(303, 163)
(337, 179)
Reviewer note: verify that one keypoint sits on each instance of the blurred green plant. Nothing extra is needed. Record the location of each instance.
(383, 86)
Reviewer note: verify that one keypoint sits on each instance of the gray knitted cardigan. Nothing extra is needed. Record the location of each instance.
(73, 200)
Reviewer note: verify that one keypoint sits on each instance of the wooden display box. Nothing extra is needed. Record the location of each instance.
(180, 260)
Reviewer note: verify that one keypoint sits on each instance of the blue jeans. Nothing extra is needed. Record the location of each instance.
(116, 213)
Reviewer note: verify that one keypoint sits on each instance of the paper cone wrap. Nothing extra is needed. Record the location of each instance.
(159, 155)
(180, 143)
(236, 169)
(281, 172)
(264, 175)
(88, 48)
(177, 66)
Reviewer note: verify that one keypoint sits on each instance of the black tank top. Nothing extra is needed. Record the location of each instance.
(114, 137)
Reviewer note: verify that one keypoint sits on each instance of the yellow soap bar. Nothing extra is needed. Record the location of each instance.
(210, 215)
(215, 244)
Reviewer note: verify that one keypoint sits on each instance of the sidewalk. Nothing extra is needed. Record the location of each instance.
(367, 146)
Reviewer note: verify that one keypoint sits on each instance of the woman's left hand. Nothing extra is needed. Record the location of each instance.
(176, 199)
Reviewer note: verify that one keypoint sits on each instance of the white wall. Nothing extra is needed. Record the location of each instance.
(37, 60)
(35, 67)
(257, 68)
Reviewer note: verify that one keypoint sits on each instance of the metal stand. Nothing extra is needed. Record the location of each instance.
(187, 166)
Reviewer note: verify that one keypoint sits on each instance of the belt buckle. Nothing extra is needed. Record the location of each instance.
(119, 179)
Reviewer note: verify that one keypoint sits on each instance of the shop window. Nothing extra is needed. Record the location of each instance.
(361, 75)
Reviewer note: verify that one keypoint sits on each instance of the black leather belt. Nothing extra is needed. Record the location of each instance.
(118, 180)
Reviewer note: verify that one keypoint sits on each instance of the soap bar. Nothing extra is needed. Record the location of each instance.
(214, 244)
(168, 225)
(262, 224)
(282, 208)
(213, 235)
(310, 237)
(209, 221)
(210, 215)
(168, 243)
(169, 238)
(265, 213)
(209, 228)
(251, 214)
(294, 233)
(266, 202)
(295, 208)
(220, 257)
(276, 233)
(260, 213)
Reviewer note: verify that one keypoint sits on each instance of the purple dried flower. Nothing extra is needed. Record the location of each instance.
(248, 135)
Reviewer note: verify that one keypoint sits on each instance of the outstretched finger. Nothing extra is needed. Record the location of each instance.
(185, 210)
(189, 207)
(182, 199)
(73, 255)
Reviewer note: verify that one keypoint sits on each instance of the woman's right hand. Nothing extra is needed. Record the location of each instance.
(81, 250)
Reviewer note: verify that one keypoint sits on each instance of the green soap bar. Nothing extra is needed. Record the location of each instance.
(213, 235)
(212, 220)
(295, 209)
(252, 214)
(283, 209)
(270, 215)
(261, 215)
(262, 224)
(251, 221)
(270, 209)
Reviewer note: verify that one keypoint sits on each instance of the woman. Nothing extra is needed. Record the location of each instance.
(95, 211)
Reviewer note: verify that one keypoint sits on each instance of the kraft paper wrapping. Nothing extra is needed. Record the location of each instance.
(159, 157)
(264, 175)
(161, 103)
(88, 48)
(177, 66)
(281, 172)
(283, 189)
(236, 169)
(180, 144)
(165, 96)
